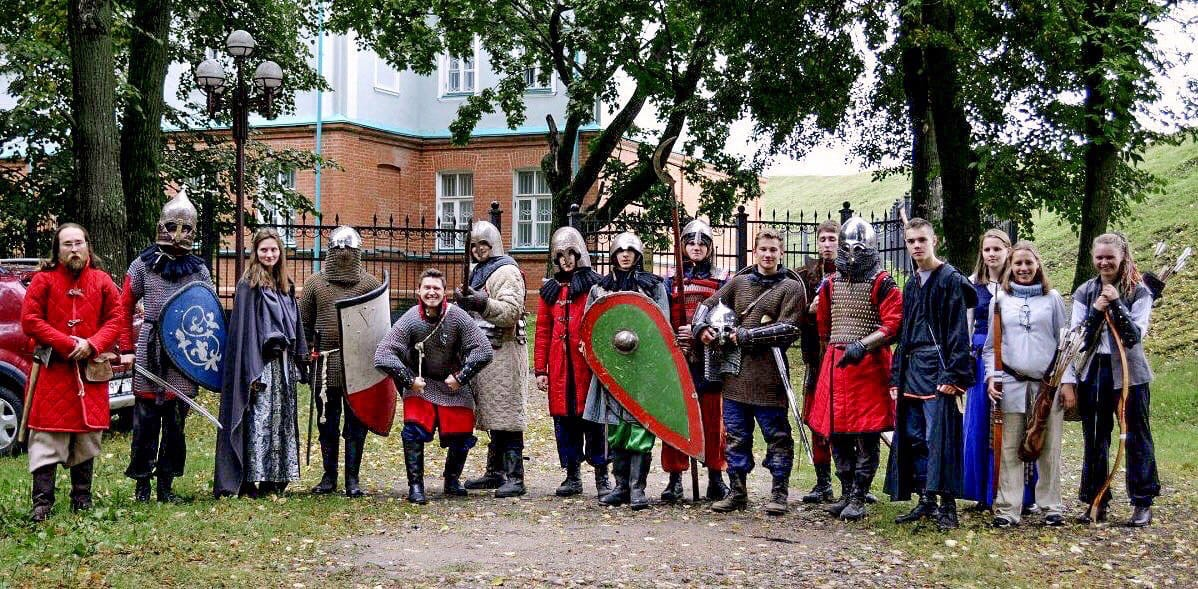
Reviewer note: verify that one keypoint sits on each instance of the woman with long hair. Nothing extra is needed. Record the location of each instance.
(257, 450)
(1115, 308)
(1033, 314)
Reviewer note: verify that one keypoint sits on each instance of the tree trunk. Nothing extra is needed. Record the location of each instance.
(958, 161)
(1100, 154)
(915, 86)
(141, 129)
(98, 202)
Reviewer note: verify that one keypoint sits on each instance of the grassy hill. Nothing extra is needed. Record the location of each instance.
(1171, 216)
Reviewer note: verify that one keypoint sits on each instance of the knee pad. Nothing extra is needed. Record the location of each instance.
(414, 432)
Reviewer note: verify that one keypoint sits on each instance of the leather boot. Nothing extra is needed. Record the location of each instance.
(926, 508)
(619, 494)
(455, 461)
(413, 457)
(602, 483)
(946, 516)
(81, 485)
(141, 491)
(1141, 516)
(673, 492)
(855, 510)
(166, 493)
(738, 495)
(846, 494)
(822, 491)
(493, 478)
(43, 492)
(573, 483)
(353, 464)
(513, 477)
(328, 459)
(716, 489)
(638, 476)
(779, 495)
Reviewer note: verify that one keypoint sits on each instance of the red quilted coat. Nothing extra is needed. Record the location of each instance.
(555, 352)
(855, 399)
(58, 305)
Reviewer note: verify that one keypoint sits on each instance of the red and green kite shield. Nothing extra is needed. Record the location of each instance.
(630, 347)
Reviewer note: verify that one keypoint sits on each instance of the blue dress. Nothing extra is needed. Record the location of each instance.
(979, 458)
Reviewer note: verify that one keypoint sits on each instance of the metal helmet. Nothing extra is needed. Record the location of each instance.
(177, 222)
(723, 320)
(857, 233)
(697, 230)
(627, 241)
(345, 236)
(569, 240)
(485, 232)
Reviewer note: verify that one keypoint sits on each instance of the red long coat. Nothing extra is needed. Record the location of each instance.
(855, 399)
(555, 352)
(54, 300)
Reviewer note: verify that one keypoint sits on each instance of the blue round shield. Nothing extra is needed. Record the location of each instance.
(192, 332)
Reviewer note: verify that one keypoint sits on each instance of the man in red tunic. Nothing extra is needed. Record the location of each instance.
(859, 313)
(560, 367)
(73, 309)
(812, 275)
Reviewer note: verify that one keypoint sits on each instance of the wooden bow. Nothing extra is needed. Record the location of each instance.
(996, 414)
(1122, 420)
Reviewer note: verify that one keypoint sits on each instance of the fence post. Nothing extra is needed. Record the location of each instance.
(845, 212)
(574, 217)
(496, 215)
(742, 237)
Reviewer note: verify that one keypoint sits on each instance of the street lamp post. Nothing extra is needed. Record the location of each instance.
(210, 77)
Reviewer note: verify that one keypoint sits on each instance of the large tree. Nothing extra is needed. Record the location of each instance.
(697, 66)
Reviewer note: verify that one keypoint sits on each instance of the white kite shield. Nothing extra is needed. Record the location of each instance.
(370, 393)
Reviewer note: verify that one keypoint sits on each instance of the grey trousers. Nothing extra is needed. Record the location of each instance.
(1008, 503)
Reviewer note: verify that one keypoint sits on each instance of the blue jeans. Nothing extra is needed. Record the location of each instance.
(579, 440)
(775, 428)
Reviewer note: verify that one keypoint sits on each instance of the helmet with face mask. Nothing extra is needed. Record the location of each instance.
(343, 259)
(857, 250)
(723, 321)
(177, 224)
(568, 241)
(485, 232)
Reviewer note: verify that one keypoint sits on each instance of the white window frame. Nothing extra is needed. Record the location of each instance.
(384, 68)
(463, 209)
(282, 220)
(540, 212)
(448, 61)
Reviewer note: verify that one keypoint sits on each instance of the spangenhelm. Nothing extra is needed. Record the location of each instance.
(857, 233)
(345, 236)
(724, 321)
(857, 253)
(485, 232)
(177, 223)
(569, 240)
(627, 241)
(697, 230)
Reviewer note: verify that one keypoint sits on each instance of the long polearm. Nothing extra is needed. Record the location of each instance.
(659, 160)
(996, 415)
(315, 390)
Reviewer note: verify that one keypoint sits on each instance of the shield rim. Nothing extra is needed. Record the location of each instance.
(692, 446)
(375, 425)
(169, 349)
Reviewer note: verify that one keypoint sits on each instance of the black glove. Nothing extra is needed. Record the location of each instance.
(305, 368)
(853, 353)
(471, 300)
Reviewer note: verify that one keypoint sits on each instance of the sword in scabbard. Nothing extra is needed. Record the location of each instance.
(794, 405)
(315, 358)
(154, 378)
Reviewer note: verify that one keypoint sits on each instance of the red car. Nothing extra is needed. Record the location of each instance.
(16, 355)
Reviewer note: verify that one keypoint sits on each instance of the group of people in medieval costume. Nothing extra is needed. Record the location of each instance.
(932, 361)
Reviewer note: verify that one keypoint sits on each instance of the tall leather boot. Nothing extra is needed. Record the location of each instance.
(513, 480)
(573, 483)
(141, 491)
(946, 516)
(494, 477)
(620, 466)
(779, 496)
(673, 491)
(455, 461)
(413, 457)
(738, 495)
(926, 508)
(353, 464)
(81, 485)
(846, 493)
(638, 475)
(716, 489)
(328, 459)
(43, 492)
(856, 509)
(166, 493)
(602, 482)
(822, 491)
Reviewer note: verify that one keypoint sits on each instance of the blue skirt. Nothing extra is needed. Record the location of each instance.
(978, 478)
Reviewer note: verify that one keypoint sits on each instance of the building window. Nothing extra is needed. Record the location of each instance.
(533, 205)
(386, 79)
(460, 74)
(279, 217)
(455, 207)
(532, 82)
